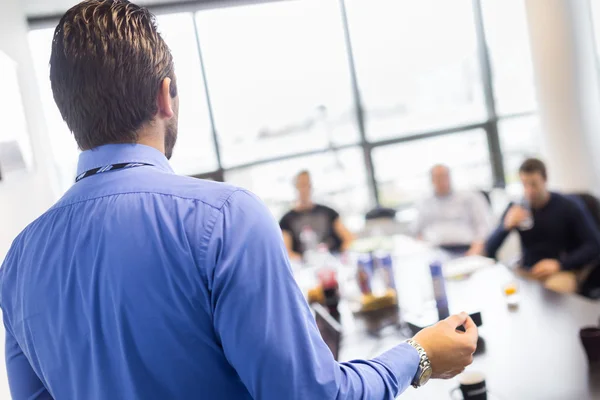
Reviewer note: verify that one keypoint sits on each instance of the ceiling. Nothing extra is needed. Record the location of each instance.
(44, 8)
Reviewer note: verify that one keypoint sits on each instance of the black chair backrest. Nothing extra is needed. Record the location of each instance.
(591, 286)
(381, 212)
(486, 194)
(593, 206)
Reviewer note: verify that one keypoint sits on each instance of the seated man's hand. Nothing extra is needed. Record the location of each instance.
(543, 269)
(449, 351)
(476, 249)
(515, 216)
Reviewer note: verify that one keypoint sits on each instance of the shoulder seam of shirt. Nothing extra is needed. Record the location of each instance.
(224, 200)
(208, 234)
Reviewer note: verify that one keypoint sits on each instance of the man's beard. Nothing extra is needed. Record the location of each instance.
(171, 137)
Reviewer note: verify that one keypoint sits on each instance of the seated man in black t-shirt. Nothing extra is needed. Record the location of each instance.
(560, 244)
(310, 224)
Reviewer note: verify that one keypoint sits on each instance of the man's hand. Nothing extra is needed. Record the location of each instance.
(543, 269)
(515, 216)
(449, 351)
(477, 249)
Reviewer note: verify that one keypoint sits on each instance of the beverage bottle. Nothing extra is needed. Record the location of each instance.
(385, 262)
(365, 273)
(439, 290)
(328, 280)
(527, 223)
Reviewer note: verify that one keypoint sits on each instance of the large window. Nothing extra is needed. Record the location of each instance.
(195, 152)
(513, 83)
(417, 65)
(278, 78)
(365, 94)
(520, 139)
(510, 54)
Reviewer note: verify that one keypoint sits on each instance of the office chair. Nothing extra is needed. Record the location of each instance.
(590, 205)
(381, 221)
(487, 197)
(381, 212)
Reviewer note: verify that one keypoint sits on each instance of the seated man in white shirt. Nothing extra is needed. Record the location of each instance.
(456, 221)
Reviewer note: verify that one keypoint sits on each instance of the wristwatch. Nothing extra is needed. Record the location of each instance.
(424, 371)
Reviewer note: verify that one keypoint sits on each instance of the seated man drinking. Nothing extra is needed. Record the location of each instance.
(559, 245)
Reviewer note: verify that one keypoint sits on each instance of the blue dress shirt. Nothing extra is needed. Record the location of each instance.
(141, 284)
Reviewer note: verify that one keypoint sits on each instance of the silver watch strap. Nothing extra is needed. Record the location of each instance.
(424, 362)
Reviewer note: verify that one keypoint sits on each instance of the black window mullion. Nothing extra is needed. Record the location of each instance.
(360, 115)
(211, 117)
(491, 127)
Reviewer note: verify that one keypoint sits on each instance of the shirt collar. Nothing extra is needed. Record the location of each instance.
(121, 153)
(443, 197)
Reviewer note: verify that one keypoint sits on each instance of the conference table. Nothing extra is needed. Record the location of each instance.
(531, 352)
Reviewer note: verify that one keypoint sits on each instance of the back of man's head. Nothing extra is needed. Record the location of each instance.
(107, 64)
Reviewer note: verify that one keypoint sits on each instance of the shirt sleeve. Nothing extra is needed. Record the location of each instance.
(266, 328)
(284, 223)
(582, 230)
(497, 238)
(333, 215)
(481, 216)
(418, 225)
(23, 382)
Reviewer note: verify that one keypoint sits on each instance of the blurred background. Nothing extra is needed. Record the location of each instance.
(365, 94)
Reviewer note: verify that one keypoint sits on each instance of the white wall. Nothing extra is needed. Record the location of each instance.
(26, 195)
(563, 54)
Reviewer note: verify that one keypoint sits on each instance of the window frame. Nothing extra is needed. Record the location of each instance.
(489, 125)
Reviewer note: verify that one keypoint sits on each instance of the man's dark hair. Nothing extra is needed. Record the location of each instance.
(107, 64)
(533, 165)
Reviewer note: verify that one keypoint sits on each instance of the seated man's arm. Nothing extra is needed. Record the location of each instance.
(265, 326)
(480, 213)
(344, 234)
(288, 239)
(583, 231)
(418, 226)
(24, 383)
(289, 245)
(346, 237)
(498, 236)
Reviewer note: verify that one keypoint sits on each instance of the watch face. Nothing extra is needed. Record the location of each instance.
(425, 376)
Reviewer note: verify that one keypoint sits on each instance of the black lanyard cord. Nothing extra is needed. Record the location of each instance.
(110, 167)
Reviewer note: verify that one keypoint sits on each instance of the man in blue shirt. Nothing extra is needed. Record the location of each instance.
(140, 284)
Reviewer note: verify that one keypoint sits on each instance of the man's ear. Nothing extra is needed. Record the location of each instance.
(164, 100)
